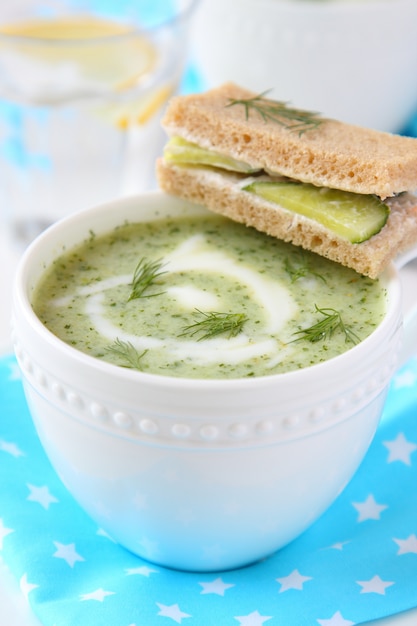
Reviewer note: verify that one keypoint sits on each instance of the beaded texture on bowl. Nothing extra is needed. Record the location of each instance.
(276, 426)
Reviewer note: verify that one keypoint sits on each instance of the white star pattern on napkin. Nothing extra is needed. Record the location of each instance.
(407, 546)
(400, 449)
(25, 586)
(10, 448)
(369, 509)
(253, 619)
(99, 595)
(173, 611)
(102, 533)
(295, 580)
(67, 552)
(41, 495)
(374, 585)
(4, 531)
(339, 545)
(336, 620)
(216, 586)
(144, 570)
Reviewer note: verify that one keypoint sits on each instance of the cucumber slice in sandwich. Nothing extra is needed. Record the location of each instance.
(182, 152)
(352, 216)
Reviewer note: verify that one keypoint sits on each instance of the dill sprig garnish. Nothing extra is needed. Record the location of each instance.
(215, 323)
(278, 112)
(145, 275)
(326, 327)
(127, 352)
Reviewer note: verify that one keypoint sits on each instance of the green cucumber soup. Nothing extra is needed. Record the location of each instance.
(204, 297)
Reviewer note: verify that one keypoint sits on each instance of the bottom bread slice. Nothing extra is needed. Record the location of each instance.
(222, 193)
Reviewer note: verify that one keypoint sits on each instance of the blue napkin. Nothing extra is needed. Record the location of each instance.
(356, 563)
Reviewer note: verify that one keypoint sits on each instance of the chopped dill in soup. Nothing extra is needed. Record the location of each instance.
(204, 297)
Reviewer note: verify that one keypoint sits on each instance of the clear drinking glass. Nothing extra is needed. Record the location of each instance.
(82, 87)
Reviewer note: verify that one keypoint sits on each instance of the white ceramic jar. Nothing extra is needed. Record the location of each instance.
(354, 60)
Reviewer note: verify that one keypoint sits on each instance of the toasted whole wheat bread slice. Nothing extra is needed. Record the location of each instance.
(334, 154)
(221, 193)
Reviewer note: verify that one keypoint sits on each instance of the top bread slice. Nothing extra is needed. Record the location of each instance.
(333, 154)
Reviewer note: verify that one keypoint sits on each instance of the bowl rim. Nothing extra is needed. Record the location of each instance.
(22, 302)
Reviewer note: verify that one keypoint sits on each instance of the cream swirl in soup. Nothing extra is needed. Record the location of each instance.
(216, 300)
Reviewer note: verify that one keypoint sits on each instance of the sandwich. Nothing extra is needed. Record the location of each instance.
(341, 191)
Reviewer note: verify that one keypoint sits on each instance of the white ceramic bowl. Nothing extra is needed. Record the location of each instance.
(354, 60)
(196, 474)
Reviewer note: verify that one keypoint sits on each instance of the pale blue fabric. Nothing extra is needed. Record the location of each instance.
(357, 563)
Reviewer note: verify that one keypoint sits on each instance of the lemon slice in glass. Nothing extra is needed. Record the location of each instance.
(103, 52)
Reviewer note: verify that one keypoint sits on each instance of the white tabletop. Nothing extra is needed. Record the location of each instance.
(14, 608)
